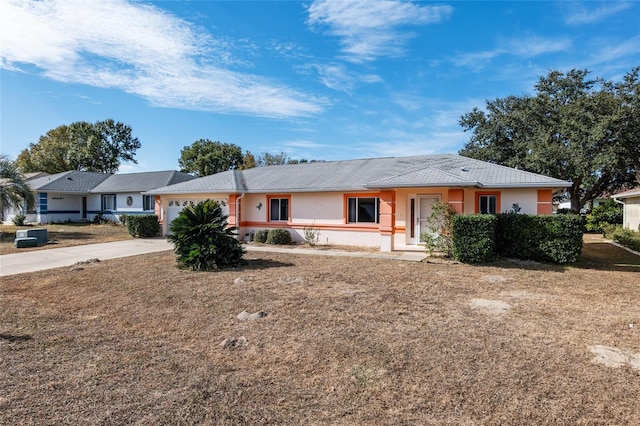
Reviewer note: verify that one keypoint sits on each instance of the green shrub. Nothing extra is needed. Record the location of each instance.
(19, 220)
(609, 230)
(144, 226)
(278, 236)
(608, 213)
(474, 238)
(555, 238)
(311, 235)
(627, 237)
(260, 236)
(202, 240)
(439, 225)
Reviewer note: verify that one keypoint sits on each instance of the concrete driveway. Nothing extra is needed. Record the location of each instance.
(30, 261)
(38, 260)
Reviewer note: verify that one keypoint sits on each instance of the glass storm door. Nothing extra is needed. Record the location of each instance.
(425, 207)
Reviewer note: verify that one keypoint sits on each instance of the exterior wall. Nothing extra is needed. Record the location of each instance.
(631, 213)
(323, 211)
(56, 208)
(326, 212)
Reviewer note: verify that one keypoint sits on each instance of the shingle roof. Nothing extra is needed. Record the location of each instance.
(627, 194)
(373, 173)
(68, 182)
(139, 182)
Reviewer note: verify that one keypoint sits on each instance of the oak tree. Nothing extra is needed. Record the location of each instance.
(573, 128)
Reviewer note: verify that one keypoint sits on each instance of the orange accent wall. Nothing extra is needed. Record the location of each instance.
(387, 212)
(157, 207)
(545, 201)
(456, 199)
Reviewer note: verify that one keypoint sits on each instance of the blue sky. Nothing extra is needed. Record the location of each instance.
(320, 80)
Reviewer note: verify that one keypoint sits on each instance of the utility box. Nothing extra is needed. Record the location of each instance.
(25, 242)
(40, 234)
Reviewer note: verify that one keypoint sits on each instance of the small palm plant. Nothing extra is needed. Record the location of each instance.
(202, 240)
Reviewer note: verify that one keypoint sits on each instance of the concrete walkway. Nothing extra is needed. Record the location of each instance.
(31, 261)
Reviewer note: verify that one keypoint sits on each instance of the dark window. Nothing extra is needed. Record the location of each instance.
(149, 202)
(363, 210)
(487, 204)
(108, 202)
(279, 209)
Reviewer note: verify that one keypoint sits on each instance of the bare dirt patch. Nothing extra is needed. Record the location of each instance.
(345, 341)
(493, 307)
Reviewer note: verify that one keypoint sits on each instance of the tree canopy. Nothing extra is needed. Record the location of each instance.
(14, 189)
(94, 147)
(205, 157)
(573, 128)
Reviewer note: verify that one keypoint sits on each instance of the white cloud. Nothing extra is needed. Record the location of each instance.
(338, 77)
(525, 47)
(371, 29)
(533, 45)
(579, 14)
(612, 51)
(142, 50)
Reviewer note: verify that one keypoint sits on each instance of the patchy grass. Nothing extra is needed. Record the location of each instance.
(64, 235)
(345, 341)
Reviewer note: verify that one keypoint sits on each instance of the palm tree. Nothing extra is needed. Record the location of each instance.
(202, 240)
(14, 189)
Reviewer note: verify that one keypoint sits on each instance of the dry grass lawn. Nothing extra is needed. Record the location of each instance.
(64, 235)
(345, 341)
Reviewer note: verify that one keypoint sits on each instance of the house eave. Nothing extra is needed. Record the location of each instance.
(429, 185)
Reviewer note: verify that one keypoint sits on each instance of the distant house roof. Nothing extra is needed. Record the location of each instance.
(68, 182)
(140, 182)
(444, 170)
(628, 194)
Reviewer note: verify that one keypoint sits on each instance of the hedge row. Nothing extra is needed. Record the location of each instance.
(272, 236)
(548, 238)
(145, 225)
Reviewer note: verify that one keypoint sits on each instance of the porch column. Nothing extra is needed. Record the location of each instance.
(545, 201)
(387, 220)
(456, 199)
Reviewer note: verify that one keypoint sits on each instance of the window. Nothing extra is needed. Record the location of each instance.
(108, 202)
(278, 209)
(148, 202)
(363, 210)
(487, 204)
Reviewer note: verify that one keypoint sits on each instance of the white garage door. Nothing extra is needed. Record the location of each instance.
(176, 205)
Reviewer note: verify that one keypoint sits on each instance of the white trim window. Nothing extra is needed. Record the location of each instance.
(148, 202)
(488, 204)
(108, 202)
(363, 210)
(278, 209)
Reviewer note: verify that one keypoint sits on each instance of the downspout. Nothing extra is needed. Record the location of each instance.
(623, 208)
(238, 213)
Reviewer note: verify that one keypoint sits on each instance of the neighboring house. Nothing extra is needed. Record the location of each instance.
(77, 196)
(64, 196)
(123, 193)
(10, 213)
(631, 208)
(377, 202)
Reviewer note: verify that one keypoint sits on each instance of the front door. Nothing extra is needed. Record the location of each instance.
(424, 210)
(84, 208)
